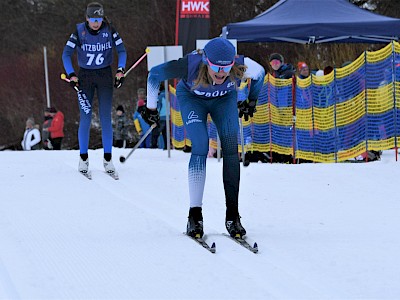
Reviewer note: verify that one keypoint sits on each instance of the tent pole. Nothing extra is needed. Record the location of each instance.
(366, 106)
(294, 144)
(394, 99)
(224, 32)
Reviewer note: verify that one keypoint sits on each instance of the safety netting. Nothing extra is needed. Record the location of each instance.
(330, 118)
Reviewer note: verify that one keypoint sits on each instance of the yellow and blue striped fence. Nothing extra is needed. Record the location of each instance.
(328, 118)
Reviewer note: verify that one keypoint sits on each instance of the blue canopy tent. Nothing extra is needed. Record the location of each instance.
(315, 21)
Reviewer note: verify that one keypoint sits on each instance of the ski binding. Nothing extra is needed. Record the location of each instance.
(241, 241)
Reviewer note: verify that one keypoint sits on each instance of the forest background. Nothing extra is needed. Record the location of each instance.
(29, 25)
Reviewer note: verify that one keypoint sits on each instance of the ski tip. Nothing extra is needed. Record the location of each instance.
(113, 175)
(213, 249)
(88, 174)
(255, 248)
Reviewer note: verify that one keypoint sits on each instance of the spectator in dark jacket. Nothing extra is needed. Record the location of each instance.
(280, 69)
(48, 118)
(120, 130)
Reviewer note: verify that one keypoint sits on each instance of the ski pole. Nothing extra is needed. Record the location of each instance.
(84, 103)
(137, 62)
(244, 161)
(123, 159)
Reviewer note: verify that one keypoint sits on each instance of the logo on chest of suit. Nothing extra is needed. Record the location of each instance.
(193, 118)
(211, 94)
(218, 93)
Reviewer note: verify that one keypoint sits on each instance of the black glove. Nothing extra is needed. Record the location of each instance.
(247, 108)
(73, 81)
(119, 78)
(151, 116)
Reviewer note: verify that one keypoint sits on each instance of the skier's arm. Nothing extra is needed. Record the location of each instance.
(119, 45)
(69, 50)
(256, 73)
(157, 74)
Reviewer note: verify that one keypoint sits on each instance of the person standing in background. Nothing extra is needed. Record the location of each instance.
(48, 118)
(140, 124)
(162, 128)
(303, 70)
(56, 129)
(279, 68)
(141, 95)
(120, 131)
(31, 139)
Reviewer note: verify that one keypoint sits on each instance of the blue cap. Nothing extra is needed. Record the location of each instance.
(220, 51)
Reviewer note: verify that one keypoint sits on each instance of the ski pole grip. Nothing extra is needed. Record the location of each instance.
(64, 77)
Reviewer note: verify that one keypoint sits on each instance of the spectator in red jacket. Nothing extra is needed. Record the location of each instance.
(56, 129)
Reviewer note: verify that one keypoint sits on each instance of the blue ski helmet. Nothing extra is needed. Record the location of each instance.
(219, 51)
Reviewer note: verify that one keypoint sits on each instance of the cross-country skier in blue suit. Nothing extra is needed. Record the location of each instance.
(94, 41)
(209, 82)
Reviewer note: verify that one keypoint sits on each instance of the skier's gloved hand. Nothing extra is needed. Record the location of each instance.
(119, 78)
(247, 108)
(73, 81)
(151, 116)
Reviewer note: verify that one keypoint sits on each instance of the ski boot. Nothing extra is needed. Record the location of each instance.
(83, 166)
(194, 226)
(233, 225)
(109, 166)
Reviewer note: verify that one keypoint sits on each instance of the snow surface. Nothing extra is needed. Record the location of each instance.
(324, 231)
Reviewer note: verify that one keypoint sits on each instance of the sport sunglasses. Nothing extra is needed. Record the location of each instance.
(217, 68)
(95, 20)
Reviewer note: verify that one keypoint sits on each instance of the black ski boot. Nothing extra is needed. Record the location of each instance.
(195, 223)
(233, 225)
